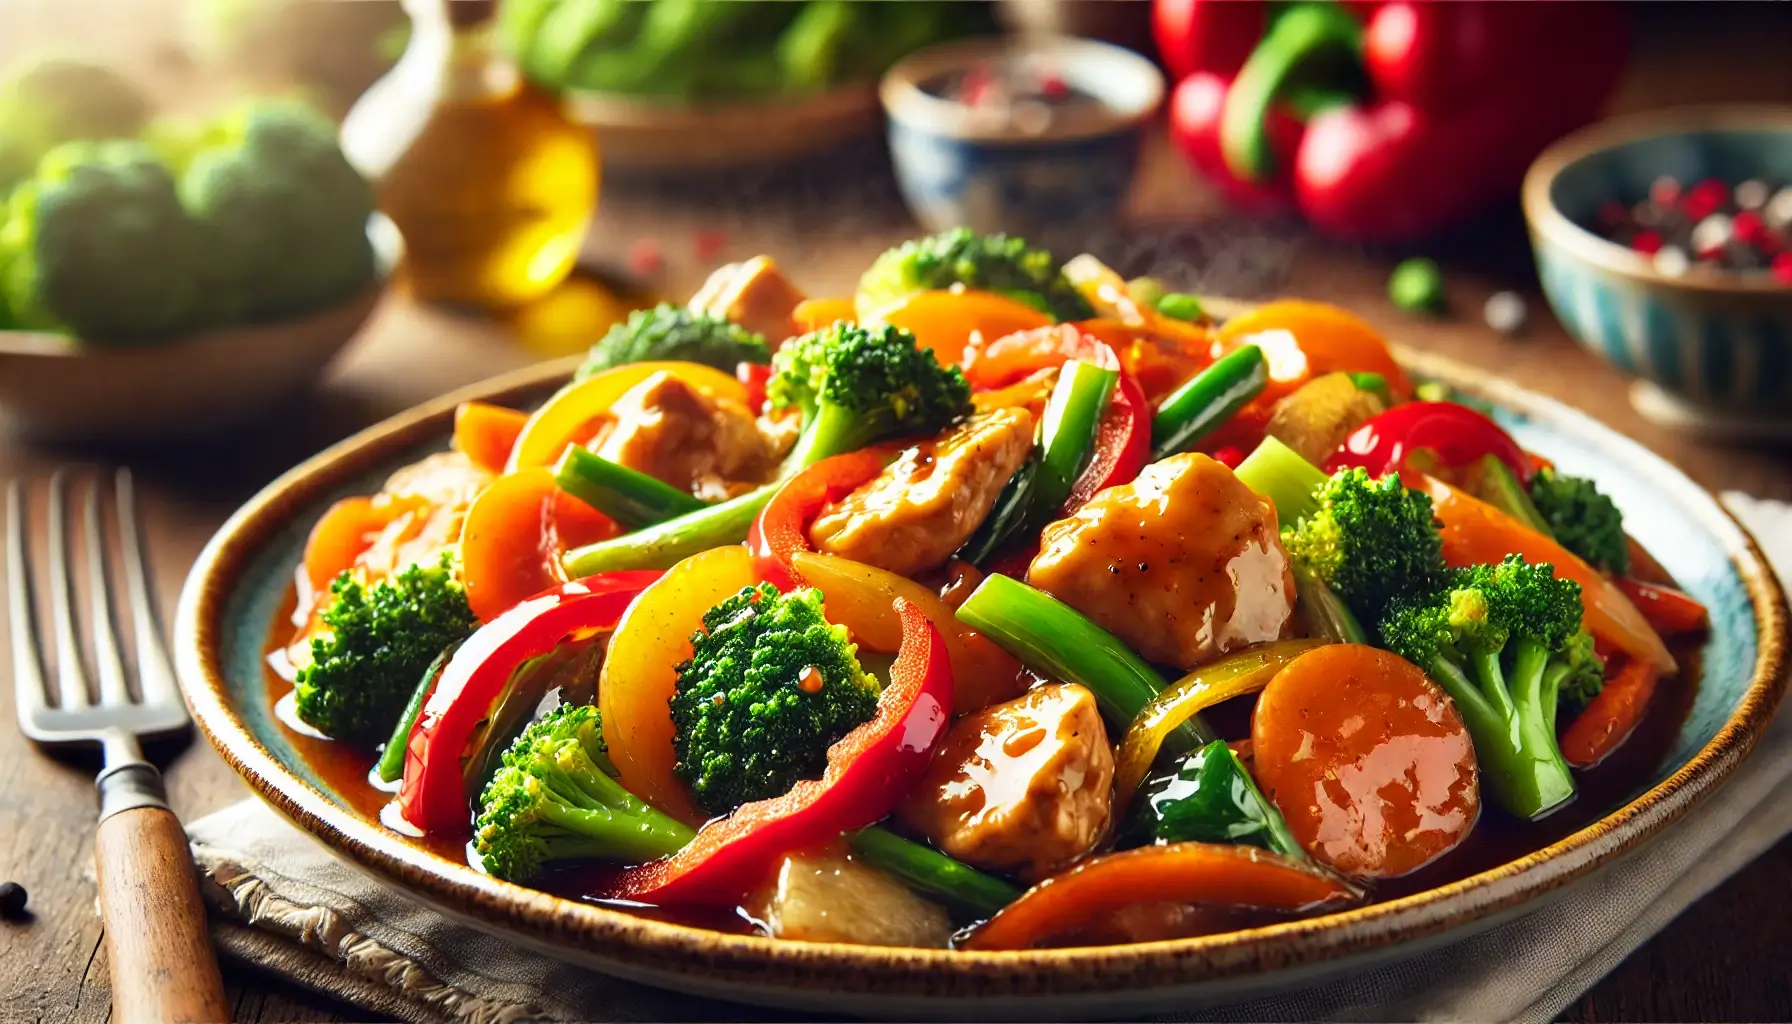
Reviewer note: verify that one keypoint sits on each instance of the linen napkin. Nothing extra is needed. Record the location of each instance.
(285, 904)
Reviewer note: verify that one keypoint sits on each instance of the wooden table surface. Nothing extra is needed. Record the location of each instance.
(1724, 959)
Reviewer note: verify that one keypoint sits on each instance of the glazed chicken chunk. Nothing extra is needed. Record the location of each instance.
(931, 499)
(1027, 785)
(667, 429)
(1184, 564)
(754, 294)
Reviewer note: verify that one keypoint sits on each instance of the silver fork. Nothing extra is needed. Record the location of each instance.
(162, 963)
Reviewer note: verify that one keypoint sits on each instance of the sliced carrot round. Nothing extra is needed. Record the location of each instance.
(578, 411)
(641, 671)
(514, 535)
(1367, 759)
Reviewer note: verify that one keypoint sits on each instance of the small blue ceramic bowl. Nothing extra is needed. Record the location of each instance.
(1712, 349)
(956, 166)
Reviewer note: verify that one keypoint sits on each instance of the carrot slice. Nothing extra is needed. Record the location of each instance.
(486, 433)
(1669, 610)
(951, 323)
(1199, 873)
(514, 535)
(1612, 716)
(1367, 759)
(1475, 532)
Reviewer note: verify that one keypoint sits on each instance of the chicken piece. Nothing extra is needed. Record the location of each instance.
(1025, 785)
(667, 429)
(913, 515)
(1317, 418)
(425, 504)
(1184, 564)
(827, 898)
(754, 294)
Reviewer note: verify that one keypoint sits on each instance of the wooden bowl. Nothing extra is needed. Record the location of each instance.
(635, 134)
(240, 580)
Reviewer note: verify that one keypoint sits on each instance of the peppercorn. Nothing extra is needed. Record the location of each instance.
(1417, 286)
(12, 900)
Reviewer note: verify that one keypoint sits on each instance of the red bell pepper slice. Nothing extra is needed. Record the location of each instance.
(1457, 434)
(1122, 444)
(753, 376)
(433, 795)
(782, 526)
(1668, 610)
(1206, 35)
(869, 770)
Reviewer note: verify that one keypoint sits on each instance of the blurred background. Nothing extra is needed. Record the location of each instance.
(294, 189)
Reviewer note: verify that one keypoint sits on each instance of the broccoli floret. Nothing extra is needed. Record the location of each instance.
(1583, 520)
(1501, 640)
(676, 333)
(59, 100)
(97, 244)
(1577, 674)
(556, 799)
(857, 386)
(995, 263)
(1371, 541)
(283, 214)
(378, 641)
(771, 684)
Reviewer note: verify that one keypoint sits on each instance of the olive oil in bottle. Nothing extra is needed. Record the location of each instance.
(491, 185)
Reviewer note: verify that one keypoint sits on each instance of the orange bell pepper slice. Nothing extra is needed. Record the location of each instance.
(862, 598)
(514, 535)
(641, 671)
(1199, 873)
(1303, 340)
(1610, 718)
(580, 410)
(1475, 532)
(486, 433)
(952, 322)
(814, 314)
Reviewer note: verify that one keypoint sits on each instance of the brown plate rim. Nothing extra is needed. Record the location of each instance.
(637, 945)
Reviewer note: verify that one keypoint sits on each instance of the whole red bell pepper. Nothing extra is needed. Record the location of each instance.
(1407, 115)
(782, 526)
(869, 770)
(1456, 434)
(433, 795)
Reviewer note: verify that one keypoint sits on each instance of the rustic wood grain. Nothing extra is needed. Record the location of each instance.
(161, 960)
(1722, 960)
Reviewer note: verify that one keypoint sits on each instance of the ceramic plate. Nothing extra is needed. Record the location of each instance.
(238, 584)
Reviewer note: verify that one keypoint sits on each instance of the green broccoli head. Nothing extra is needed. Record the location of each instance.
(1578, 673)
(97, 244)
(1583, 520)
(1501, 640)
(377, 643)
(556, 799)
(283, 213)
(856, 386)
(1372, 541)
(676, 333)
(996, 263)
(771, 684)
(60, 100)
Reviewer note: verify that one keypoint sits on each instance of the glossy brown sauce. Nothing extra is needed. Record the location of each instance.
(1495, 840)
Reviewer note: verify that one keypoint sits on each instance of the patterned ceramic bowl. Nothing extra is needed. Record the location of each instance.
(1712, 349)
(994, 174)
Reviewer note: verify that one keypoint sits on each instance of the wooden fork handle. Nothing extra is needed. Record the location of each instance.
(163, 965)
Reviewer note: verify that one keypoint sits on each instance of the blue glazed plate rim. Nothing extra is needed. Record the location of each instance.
(782, 973)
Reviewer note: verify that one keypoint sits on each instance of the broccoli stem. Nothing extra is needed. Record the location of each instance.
(1200, 406)
(932, 872)
(833, 430)
(1060, 641)
(1500, 487)
(1510, 717)
(663, 545)
(586, 801)
(626, 495)
(1279, 473)
(1326, 615)
(1067, 431)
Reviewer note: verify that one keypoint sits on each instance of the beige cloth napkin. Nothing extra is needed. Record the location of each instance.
(285, 904)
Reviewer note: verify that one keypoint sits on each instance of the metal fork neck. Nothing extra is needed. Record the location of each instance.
(128, 781)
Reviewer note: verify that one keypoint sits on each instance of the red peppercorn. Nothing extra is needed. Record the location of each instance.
(1782, 268)
(1646, 242)
(1664, 192)
(1748, 228)
(1705, 199)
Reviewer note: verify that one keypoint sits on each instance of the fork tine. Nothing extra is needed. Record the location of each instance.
(113, 689)
(155, 673)
(27, 659)
(71, 674)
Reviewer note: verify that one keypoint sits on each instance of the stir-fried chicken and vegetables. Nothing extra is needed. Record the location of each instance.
(1003, 604)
